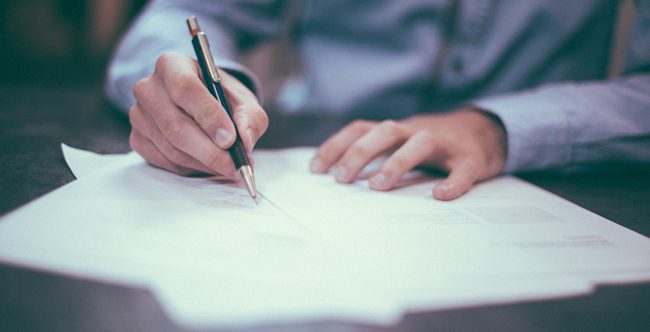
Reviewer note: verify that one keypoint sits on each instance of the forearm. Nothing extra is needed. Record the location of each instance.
(161, 28)
(572, 124)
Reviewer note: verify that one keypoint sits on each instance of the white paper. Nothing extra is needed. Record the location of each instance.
(312, 248)
(82, 162)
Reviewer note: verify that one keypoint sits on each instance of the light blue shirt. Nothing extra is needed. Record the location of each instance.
(538, 65)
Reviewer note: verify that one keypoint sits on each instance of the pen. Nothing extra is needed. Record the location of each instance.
(212, 81)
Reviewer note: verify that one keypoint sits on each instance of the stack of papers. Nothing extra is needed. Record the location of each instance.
(312, 249)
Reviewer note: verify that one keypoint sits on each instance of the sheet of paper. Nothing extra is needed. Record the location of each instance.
(192, 241)
(82, 162)
(503, 231)
(312, 248)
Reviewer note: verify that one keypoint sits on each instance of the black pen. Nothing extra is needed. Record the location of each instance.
(212, 81)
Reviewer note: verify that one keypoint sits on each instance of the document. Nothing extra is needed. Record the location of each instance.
(82, 162)
(313, 249)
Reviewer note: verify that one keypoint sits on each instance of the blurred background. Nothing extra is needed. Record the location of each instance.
(62, 41)
(69, 42)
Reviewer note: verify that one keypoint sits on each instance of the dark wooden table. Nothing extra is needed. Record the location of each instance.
(35, 120)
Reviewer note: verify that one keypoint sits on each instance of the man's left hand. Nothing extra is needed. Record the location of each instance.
(468, 144)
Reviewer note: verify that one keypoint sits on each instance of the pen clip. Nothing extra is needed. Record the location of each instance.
(204, 48)
(207, 55)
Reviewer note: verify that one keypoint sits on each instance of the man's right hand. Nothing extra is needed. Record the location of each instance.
(179, 126)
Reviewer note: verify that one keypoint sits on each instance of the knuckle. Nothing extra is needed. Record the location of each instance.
(424, 136)
(323, 153)
(239, 113)
(172, 154)
(359, 126)
(329, 151)
(179, 160)
(474, 163)
(205, 117)
(215, 161)
(133, 109)
(253, 116)
(164, 61)
(389, 124)
(257, 110)
(175, 131)
(137, 119)
(133, 141)
(359, 150)
(166, 149)
(245, 109)
(390, 128)
(182, 87)
(177, 157)
(397, 163)
(133, 117)
(140, 88)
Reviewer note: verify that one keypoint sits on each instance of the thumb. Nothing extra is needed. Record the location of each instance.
(460, 180)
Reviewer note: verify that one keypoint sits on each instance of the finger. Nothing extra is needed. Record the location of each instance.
(251, 122)
(236, 91)
(181, 79)
(249, 117)
(461, 178)
(186, 136)
(179, 129)
(145, 126)
(334, 147)
(153, 156)
(419, 148)
(378, 140)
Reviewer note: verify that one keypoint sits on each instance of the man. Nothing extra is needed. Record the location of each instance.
(475, 88)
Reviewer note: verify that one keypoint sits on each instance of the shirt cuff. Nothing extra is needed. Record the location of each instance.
(244, 75)
(152, 35)
(537, 130)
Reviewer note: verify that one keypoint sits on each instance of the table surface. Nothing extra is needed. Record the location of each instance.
(34, 121)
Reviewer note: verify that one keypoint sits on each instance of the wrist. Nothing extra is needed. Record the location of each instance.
(492, 129)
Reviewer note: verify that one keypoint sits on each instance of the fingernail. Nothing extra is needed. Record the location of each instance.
(378, 181)
(316, 165)
(442, 191)
(340, 173)
(223, 138)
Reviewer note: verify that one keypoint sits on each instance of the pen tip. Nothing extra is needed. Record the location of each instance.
(246, 173)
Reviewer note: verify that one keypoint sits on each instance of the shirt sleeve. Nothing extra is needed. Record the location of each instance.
(573, 124)
(161, 27)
